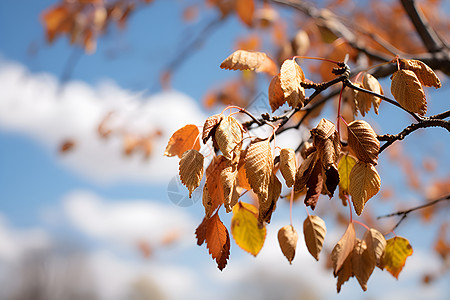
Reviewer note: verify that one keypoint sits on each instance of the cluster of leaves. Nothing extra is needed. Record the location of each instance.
(326, 164)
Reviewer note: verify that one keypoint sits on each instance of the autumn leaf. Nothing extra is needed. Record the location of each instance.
(365, 100)
(314, 231)
(259, 167)
(304, 171)
(407, 90)
(288, 165)
(228, 180)
(345, 273)
(210, 126)
(326, 141)
(182, 140)
(249, 60)
(217, 239)
(362, 139)
(424, 73)
(245, 230)
(287, 238)
(267, 207)
(363, 263)
(343, 248)
(364, 184)
(245, 10)
(291, 75)
(396, 252)
(345, 166)
(324, 130)
(229, 137)
(314, 186)
(191, 169)
(214, 183)
(376, 244)
(276, 94)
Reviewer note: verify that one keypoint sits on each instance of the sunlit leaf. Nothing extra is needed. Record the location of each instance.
(396, 252)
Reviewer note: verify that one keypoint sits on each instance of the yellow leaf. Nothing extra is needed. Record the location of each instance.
(288, 165)
(397, 251)
(314, 231)
(362, 139)
(376, 244)
(249, 60)
(364, 184)
(345, 166)
(259, 167)
(424, 73)
(191, 169)
(229, 137)
(291, 75)
(182, 140)
(407, 90)
(363, 263)
(245, 230)
(343, 248)
(287, 238)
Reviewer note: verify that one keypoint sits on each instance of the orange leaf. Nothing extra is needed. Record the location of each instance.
(182, 140)
(423, 72)
(364, 184)
(191, 169)
(287, 238)
(248, 60)
(214, 184)
(407, 90)
(276, 95)
(228, 136)
(245, 10)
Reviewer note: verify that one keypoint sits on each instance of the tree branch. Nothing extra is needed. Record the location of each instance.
(390, 139)
(404, 213)
(428, 36)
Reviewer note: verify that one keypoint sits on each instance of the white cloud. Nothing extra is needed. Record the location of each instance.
(38, 105)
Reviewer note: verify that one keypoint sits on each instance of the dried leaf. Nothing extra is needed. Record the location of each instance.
(331, 180)
(259, 167)
(345, 273)
(210, 126)
(407, 90)
(229, 137)
(191, 169)
(266, 208)
(228, 180)
(314, 186)
(324, 130)
(245, 10)
(376, 243)
(207, 201)
(217, 239)
(363, 263)
(304, 171)
(245, 230)
(248, 60)
(182, 140)
(424, 73)
(364, 184)
(345, 166)
(314, 231)
(214, 182)
(349, 96)
(287, 237)
(343, 248)
(396, 252)
(288, 165)
(291, 75)
(365, 100)
(276, 94)
(363, 141)
(301, 43)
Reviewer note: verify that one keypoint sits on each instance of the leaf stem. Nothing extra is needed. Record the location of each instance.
(316, 58)
(291, 201)
(350, 208)
(360, 223)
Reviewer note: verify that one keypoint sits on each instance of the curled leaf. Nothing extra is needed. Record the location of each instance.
(287, 238)
(209, 128)
(247, 60)
(182, 140)
(424, 73)
(229, 137)
(191, 169)
(364, 184)
(288, 165)
(314, 231)
(365, 100)
(267, 207)
(407, 90)
(304, 171)
(362, 139)
(245, 230)
(324, 130)
(228, 180)
(291, 75)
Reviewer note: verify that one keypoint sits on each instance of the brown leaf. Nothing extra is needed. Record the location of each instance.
(245, 10)
(291, 75)
(363, 263)
(67, 145)
(349, 96)
(214, 182)
(314, 231)
(314, 186)
(364, 184)
(229, 138)
(276, 94)
(207, 201)
(304, 171)
(424, 73)
(324, 130)
(365, 100)
(363, 141)
(191, 169)
(248, 60)
(331, 180)
(301, 43)
(287, 238)
(343, 248)
(288, 165)
(259, 167)
(266, 208)
(376, 243)
(407, 90)
(345, 273)
(228, 179)
(217, 239)
(210, 126)
(182, 140)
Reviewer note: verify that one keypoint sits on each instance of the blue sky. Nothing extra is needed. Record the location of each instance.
(103, 203)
